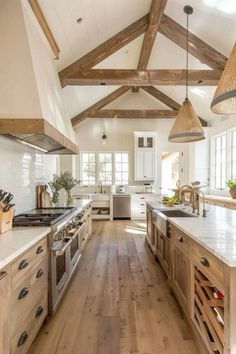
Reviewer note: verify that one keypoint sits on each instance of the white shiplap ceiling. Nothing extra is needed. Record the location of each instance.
(214, 21)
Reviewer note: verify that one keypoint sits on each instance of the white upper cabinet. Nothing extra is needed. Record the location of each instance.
(145, 156)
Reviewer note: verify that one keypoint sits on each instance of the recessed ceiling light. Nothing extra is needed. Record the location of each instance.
(79, 20)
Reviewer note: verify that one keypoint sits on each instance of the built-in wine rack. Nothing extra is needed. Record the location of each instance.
(209, 311)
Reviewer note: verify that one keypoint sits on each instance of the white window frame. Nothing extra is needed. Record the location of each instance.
(97, 165)
(228, 165)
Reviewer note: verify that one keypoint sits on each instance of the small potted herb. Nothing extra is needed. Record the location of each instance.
(55, 186)
(68, 182)
(232, 188)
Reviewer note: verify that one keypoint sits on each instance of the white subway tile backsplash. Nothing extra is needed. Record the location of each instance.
(21, 170)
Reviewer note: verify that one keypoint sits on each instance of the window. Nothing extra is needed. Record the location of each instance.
(106, 167)
(121, 168)
(233, 155)
(223, 159)
(88, 168)
(220, 161)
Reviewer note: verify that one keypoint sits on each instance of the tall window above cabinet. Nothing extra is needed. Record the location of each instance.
(145, 156)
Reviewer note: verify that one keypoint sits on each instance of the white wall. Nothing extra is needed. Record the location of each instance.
(21, 170)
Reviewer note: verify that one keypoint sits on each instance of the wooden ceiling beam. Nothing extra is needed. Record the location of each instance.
(155, 15)
(100, 104)
(197, 47)
(133, 113)
(45, 27)
(169, 102)
(130, 77)
(107, 48)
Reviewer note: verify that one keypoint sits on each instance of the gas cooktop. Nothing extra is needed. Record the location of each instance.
(42, 216)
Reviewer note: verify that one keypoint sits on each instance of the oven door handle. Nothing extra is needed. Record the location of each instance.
(61, 251)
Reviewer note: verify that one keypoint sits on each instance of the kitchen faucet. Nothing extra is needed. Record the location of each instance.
(193, 195)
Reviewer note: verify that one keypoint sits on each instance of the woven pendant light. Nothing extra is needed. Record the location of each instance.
(224, 101)
(187, 127)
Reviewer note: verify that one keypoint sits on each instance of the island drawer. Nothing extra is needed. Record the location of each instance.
(22, 266)
(182, 240)
(208, 263)
(24, 334)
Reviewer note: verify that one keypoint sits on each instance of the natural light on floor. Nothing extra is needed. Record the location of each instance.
(135, 230)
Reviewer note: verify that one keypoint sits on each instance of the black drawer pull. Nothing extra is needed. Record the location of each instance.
(39, 312)
(23, 293)
(180, 239)
(204, 261)
(161, 236)
(23, 264)
(40, 272)
(23, 338)
(40, 249)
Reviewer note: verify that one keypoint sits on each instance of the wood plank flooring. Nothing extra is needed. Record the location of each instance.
(118, 301)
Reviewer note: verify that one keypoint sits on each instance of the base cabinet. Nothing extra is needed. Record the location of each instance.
(4, 310)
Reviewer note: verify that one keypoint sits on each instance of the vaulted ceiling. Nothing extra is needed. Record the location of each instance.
(213, 21)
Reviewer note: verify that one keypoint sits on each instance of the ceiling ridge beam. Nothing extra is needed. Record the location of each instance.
(100, 104)
(168, 101)
(132, 77)
(107, 48)
(156, 12)
(133, 113)
(197, 47)
(44, 26)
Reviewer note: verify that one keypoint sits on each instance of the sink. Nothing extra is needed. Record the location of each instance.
(99, 196)
(177, 214)
(159, 218)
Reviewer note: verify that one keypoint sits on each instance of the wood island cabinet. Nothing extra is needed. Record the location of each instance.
(180, 269)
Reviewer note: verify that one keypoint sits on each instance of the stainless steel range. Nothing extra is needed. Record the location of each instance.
(67, 232)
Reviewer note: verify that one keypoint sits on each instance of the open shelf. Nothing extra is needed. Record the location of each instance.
(209, 312)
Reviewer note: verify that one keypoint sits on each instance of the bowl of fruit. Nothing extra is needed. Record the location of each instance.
(170, 201)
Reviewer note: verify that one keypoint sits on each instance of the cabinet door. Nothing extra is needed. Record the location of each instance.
(139, 164)
(4, 311)
(149, 165)
(150, 227)
(159, 245)
(166, 254)
(181, 275)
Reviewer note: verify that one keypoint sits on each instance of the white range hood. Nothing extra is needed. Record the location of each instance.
(29, 85)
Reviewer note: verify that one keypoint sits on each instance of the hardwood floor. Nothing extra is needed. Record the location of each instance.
(118, 301)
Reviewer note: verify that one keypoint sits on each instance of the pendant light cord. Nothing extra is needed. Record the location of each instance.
(187, 59)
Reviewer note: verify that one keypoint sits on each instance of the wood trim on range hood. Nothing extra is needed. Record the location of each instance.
(38, 134)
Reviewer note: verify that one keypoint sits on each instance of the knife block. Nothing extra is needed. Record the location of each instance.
(6, 220)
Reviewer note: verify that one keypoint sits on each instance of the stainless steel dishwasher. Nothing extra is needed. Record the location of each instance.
(121, 206)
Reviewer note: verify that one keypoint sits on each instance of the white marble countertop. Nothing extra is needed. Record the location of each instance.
(216, 232)
(18, 240)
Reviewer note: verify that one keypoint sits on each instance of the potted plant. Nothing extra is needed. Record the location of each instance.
(68, 182)
(232, 188)
(55, 185)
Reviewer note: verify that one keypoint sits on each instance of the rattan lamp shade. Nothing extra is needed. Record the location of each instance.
(224, 101)
(187, 127)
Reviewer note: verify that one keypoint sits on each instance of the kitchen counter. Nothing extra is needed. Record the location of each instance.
(216, 232)
(16, 241)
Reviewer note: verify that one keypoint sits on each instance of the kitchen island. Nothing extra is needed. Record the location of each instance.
(198, 255)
